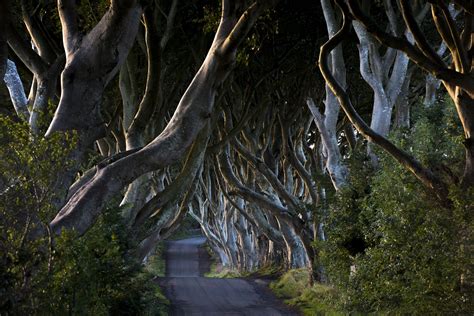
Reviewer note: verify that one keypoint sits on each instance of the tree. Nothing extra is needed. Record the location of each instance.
(457, 77)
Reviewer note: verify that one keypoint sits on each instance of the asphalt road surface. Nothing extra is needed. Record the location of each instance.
(192, 294)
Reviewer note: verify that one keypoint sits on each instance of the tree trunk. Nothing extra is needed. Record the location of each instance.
(192, 113)
(465, 107)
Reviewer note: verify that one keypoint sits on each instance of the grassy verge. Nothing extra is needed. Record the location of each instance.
(156, 267)
(310, 300)
(156, 264)
(155, 301)
(217, 271)
(268, 271)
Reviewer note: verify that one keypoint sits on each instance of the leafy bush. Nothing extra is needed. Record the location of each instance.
(392, 246)
(95, 274)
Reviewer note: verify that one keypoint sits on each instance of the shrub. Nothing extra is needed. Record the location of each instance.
(407, 251)
(95, 274)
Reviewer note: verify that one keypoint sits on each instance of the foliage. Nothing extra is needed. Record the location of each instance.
(311, 300)
(391, 245)
(268, 271)
(95, 275)
(68, 275)
(291, 283)
(156, 264)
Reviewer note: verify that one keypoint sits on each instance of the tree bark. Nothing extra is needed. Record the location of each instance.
(16, 90)
(192, 113)
(3, 38)
(426, 176)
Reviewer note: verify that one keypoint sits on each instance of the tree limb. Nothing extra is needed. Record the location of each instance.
(68, 16)
(425, 175)
(415, 54)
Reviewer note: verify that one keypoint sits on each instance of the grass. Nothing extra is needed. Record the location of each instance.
(217, 270)
(310, 300)
(267, 271)
(156, 264)
(222, 273)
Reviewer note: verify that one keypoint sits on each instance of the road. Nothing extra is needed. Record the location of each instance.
(192, 294)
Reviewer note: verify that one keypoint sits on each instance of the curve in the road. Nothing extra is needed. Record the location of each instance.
(191, 294)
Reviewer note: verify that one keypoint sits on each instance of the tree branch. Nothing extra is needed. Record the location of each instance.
(448, 31)
(39, 38)
(182, 182)
(243, 26)
(417, 56)
(24, 51)
(466, 6)
(68, 17)
(420, 39)
(169, 24)
(152, 89)
(17, 92)
(3, 38)
(426, 176)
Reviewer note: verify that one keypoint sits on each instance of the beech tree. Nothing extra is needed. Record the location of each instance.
(456, 78)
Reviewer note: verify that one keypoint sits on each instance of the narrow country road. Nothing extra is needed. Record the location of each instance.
(192, 294)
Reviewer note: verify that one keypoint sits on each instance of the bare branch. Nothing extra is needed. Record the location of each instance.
(169, 24)
(24, 51)
(248, 194)
(420, 38)
(466, 6)
(243, 26)
(448, 31)
(3, 38)
(426, 176)
(180, 184)
(415, 54)
(152, 89)
(38, 36)
(337, 171)
(296, 163)
(17, 92)
(68, 17)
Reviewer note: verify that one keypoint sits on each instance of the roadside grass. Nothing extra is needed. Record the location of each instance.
(156, 267)
(156, 264)
(218, 271)
(310, 300)
(222, 273)
(268, 271)
(157, 303)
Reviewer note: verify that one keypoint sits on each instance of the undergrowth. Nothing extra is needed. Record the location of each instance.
(313, 300)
